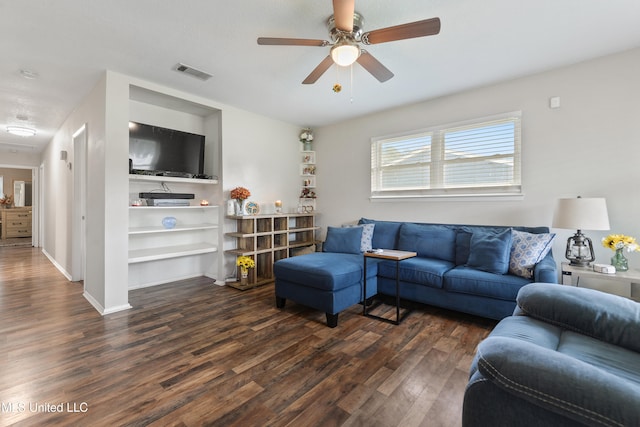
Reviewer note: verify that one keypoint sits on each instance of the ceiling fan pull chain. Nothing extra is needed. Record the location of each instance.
(351, 86)
(337, 87)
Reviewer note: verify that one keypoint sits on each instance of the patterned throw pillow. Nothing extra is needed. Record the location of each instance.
(367, 236)
(528, 249)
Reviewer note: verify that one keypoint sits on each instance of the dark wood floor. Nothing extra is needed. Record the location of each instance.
(192, 353)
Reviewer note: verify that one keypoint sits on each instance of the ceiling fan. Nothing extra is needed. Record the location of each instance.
(345, 29)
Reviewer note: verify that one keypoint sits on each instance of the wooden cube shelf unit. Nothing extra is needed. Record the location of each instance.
(267, 239)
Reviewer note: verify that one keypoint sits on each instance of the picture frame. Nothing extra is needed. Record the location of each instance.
(309, 157)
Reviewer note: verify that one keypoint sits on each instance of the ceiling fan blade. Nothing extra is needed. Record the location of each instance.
(427, 27)
(276, 41)
(343, 11)
(374, 66)
(318, 71)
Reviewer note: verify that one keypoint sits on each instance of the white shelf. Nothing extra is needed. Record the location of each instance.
(136, 177)
(174, 207)
(153, 254)
(178, 228)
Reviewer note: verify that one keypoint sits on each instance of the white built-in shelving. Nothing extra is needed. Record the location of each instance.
(170, 179)
(159, 255)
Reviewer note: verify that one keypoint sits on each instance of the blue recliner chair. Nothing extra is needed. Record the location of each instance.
(567, 357)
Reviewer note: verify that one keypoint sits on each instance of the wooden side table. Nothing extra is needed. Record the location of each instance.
(571, 275)
(392, 255)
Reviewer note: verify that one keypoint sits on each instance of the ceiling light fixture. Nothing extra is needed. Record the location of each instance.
(21, 131)
(345, 52)
(28, 74)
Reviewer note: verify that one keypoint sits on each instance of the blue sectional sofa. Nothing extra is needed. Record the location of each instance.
(469, 268)
(567, 357)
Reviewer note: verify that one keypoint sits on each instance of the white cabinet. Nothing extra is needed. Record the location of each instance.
(160, 255)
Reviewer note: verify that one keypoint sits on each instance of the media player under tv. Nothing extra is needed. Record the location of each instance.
(167, 196)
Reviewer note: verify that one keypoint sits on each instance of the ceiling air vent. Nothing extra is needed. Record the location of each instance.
(187, 69)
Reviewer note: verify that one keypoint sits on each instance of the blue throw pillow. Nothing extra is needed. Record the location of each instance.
(366, 244)
(343, 240)
(385, 235)
(528, 249)
(490, 251)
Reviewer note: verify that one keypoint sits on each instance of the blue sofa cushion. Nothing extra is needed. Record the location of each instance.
(324, 270)
(490, 251)
(425, 271)
(468, 280)
(385, 234)
(343, 240)
(610, 318)
(428, 240)
(528, 249)
(560, 383)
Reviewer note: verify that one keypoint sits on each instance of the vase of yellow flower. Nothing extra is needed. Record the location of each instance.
(618, 243)
(239, 196)
(245, 263)
(619, 261)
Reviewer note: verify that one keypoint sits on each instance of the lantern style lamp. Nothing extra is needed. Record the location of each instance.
(581, 214)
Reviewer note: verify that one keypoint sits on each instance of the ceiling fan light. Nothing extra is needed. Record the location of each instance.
(21, 131)
(344, 53)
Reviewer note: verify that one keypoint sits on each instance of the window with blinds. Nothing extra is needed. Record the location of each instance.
(480, 157)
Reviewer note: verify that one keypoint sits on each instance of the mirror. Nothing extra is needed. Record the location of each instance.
(1, 187)
(18, 193)
(21, 193)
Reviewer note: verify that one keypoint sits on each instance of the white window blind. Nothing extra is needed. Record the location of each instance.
(480, 157)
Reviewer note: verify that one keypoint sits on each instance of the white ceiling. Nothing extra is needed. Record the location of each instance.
(69, 44)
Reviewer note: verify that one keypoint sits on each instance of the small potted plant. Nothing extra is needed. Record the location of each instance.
(245, 263)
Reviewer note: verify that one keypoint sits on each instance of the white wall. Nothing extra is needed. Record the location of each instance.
(589, 147)
(262, 155)
(105, 281)
(12, 158)
(58, 180)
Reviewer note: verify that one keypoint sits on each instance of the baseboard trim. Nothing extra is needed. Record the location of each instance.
(60, 268)
(100, 308)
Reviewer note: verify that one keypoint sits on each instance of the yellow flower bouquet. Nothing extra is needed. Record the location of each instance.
(620, 241)
(245, 263)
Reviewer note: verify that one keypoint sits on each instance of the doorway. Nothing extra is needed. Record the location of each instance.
(78, 231)
(25, 179)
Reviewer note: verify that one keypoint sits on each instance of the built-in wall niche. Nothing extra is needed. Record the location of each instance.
(163, 110)
(158, 254)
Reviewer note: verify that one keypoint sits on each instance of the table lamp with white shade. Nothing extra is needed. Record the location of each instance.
(581, 213)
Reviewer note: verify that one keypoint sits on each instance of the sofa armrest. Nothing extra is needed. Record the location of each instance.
(610, 318)
(558, 382)
(546, 270)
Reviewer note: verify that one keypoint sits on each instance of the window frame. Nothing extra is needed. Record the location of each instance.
(438, 162)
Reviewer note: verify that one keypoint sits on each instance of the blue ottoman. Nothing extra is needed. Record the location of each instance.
(326, 281)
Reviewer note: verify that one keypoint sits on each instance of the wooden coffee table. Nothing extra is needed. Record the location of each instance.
(392, 255)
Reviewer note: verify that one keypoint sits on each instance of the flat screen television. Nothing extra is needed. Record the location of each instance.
(160, 150)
